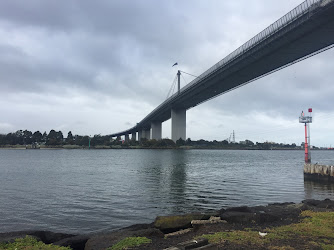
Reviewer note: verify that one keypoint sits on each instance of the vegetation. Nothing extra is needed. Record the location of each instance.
(316, 230)
(56, 139)
(30, 243)
(130, 242)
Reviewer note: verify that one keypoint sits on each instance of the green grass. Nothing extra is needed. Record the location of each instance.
(30, 243)
(316, 229)
(130, 242)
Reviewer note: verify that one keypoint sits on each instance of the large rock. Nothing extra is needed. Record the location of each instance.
(76, 242)
(168, 224)
(318, 206)
(272, 213)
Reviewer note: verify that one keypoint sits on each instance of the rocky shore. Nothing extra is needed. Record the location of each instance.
(193, 231)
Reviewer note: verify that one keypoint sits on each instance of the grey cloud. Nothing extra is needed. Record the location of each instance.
(110, 52)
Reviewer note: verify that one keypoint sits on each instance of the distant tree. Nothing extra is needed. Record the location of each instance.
(27, 137)
(18, 137)
(44, 136)
(169, 142)
(54, 138)
(69, 138)
(180, 142)
(225, 142)
(84, 141)
(37, 136)
(2, 139)
(97, 140)
(188, 142)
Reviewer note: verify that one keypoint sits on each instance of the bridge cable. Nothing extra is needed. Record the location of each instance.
(172, 87)
(189, 74)
(184, 79)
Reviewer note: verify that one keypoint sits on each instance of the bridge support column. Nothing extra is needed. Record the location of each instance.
(145, 134)
(178, 124)
(148, 133)
(156, 130)
(133, 137)
(127, 138)
(140, 135)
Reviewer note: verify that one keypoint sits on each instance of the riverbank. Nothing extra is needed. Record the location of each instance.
(308, 225)
(21, 147)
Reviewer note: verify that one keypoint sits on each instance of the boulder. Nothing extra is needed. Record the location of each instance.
(169, 224)
(76, 242)
(319, 206)
(238, 217)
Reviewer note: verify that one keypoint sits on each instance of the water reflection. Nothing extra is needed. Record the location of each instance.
(178, 179)
(319, 188)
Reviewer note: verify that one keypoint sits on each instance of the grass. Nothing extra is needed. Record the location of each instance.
(130, 242)
(30, 243)
(316, 230)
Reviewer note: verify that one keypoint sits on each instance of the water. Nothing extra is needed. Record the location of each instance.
(85, 191)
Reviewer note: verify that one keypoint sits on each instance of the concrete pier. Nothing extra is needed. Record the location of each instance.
(127, 137)
(316, 171)
(178, 124)
(143, 133)
(133, 136)
(140, 135)
(156, 130)
(148, 133)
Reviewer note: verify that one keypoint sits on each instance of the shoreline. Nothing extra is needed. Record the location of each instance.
(173, 231)
(175, 148)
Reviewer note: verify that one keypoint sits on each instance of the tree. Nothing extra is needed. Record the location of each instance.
(44, 136)
(69, 138)
(27, 136)
(37, 136)
(54, 138)
(180, 142)
(84, 141)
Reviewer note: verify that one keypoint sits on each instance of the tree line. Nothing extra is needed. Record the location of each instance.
(53, 138)
(56, 138)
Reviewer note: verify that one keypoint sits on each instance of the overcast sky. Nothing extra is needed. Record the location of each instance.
(99, 67)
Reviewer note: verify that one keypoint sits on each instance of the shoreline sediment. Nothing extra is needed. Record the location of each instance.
(168, 231)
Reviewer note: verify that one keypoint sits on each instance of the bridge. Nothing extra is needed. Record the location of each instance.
(305, 31)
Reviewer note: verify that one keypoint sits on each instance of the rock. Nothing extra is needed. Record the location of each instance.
(238, 217)
(318, 206)
(311, 202)
(243, 209)
(180, 232)
(169, 224)
(105, 240)
(262, 214)
(76, 242)
(139, 227)
(213, 220)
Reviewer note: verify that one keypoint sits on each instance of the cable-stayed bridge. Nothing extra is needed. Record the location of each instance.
(305, 31)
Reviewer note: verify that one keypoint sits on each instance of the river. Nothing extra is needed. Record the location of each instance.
(86, 191)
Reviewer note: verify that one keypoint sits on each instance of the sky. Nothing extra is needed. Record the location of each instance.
(99, 67)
